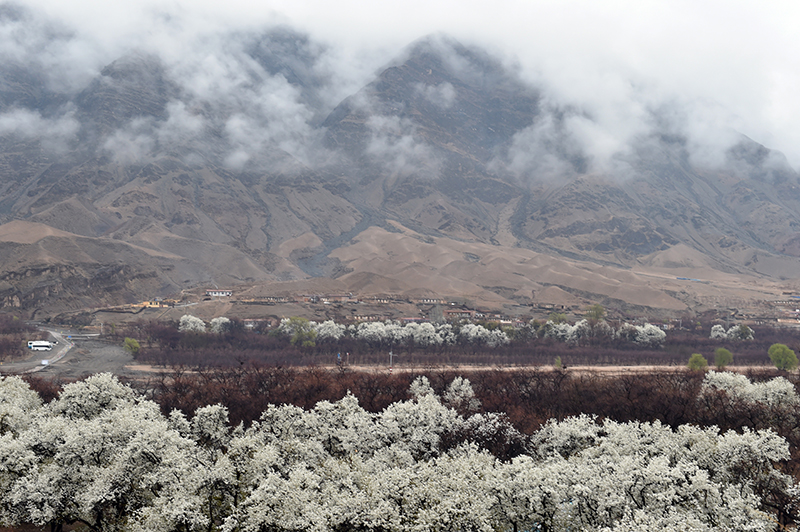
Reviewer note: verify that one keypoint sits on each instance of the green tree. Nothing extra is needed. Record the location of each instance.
(302, 332)
(596, 312)
(722, 357)
(557, 363)
(557, 317)
(131, 345)
(697, 362)
(783, 357)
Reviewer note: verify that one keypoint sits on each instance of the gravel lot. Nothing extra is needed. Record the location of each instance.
(86, 357)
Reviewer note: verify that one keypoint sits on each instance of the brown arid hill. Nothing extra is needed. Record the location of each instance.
(411, 185)
(501, 277)
(46, 268)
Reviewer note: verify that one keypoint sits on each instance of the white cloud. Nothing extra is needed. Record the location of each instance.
(54, 133)
(133, 143)
(442, 95)
(394, 144)
(719, 66)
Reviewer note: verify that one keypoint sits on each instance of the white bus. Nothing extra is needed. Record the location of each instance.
(40, 345)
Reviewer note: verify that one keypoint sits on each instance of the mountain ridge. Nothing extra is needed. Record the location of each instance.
(434, 149)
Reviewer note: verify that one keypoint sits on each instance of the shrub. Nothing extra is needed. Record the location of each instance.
(131, 345)
(697, 362)
(722, 357)
(783, 357)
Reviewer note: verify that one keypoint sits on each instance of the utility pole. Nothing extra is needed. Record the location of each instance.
(390, 361)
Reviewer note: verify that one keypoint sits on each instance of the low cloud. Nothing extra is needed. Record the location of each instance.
(545, 150)
(181, 126)
(231, 111)
(132, 144)
(56, 134)
(395, 146)
(616, 76)
(442, 95)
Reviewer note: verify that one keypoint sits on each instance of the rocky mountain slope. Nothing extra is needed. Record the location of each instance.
(140, 184)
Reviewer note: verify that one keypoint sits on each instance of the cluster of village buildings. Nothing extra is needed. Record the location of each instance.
(784, 311)
(450, 310)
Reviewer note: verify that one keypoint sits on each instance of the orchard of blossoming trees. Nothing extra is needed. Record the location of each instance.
(102, 456)
(300, 342)
(428, 334)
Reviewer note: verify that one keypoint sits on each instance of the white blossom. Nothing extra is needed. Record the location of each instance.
(220, 325)
(416, 427)
(615, 476)
(424, 334)
(395, 333)
(190, 323)
(775, 392)
(445, 332)
(650, 335)
(558, 331)
(17, 404)
(92, 397)
(460, 396)
(103, 455)
(718, 332)
(373, 332)
(736, 332)
(740, 332)
(420, 387)
(478, 334)
(330, 330)
(627, 332)
(579, 333)
(646, 335)
(209, 426)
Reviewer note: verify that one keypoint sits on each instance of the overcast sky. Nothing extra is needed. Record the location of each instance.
(716, 64)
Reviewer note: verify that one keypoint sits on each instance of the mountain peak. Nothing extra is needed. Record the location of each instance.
(135, 85)
(460, 100)
(470, 64)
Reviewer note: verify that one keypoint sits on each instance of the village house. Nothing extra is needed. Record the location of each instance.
(370, 317)
(431, 301)
(340, 298)
(458, 314)
(216, 292)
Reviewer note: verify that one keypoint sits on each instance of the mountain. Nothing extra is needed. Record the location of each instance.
(420, 139)
(447, 173)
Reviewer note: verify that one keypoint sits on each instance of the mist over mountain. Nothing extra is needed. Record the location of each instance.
(252, 156)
